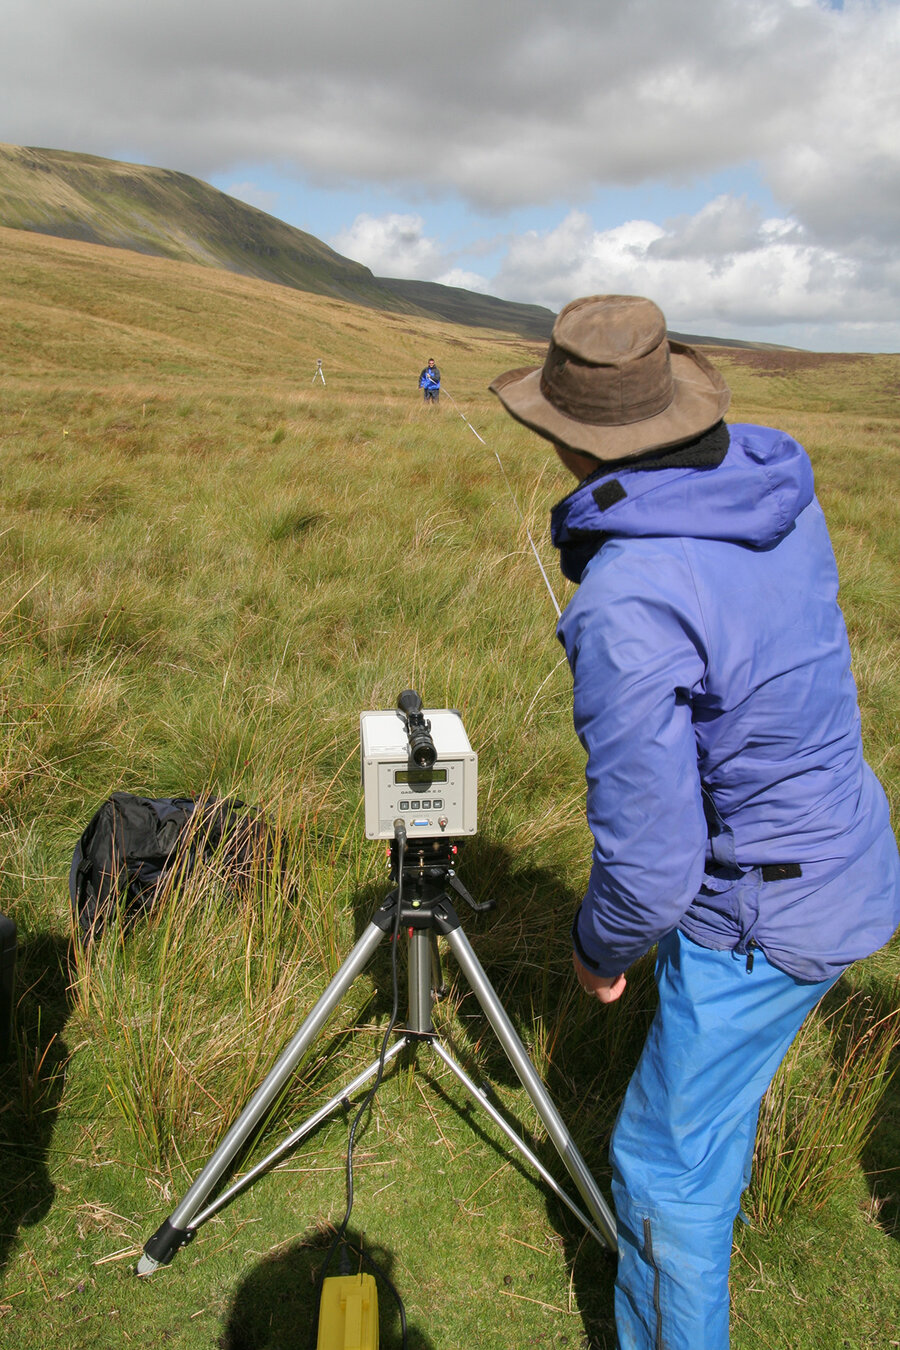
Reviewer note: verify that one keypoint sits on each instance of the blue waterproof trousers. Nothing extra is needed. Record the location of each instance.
(683, 1143)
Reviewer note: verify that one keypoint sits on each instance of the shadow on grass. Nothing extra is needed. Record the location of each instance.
(610, 1036)
(592, 1265)
(593, 1275)
(882, 1148)
(879, 1161)
(31, 1085)
(276, 1305)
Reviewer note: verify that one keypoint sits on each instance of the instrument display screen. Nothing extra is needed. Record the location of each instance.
(420, 778)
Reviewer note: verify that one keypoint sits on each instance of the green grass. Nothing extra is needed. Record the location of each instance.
(209, 568)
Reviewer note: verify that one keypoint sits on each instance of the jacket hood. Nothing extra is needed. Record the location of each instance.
(752, 497)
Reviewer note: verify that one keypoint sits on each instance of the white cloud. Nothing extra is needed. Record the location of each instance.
(719, 271)
(395, 245)
(469, 281)
(254, 195)
(723, 227)
(581, 93)
(552, 108)
(392, 246)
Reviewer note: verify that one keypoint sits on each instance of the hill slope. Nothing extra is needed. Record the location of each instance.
(80, 316)
(172, 215)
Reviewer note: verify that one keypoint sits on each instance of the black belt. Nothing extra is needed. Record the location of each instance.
(780, 871)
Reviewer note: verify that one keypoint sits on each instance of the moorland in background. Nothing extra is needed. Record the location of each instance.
(210, 566)
(171, 215)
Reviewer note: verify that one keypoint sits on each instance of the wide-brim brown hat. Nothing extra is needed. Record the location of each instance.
(613, 384)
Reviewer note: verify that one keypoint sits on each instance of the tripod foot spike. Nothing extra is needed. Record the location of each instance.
(162, 1246)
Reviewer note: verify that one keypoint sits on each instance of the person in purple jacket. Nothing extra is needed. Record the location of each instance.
(430, 382)
(736, 824)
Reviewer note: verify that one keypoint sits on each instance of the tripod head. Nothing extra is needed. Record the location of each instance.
(423, 872)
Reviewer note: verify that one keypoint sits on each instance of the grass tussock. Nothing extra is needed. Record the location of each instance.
(187, 1005)
(819, 1113)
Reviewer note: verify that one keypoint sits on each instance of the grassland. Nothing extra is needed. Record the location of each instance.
(211, 565)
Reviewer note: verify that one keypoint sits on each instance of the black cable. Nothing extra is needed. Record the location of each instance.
(400, 836)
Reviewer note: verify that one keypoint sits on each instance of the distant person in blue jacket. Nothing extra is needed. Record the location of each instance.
(430, 382)
(736, 824)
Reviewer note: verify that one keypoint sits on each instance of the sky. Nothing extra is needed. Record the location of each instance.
(736, 160)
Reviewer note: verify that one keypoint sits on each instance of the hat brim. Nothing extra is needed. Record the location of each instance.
(700, 400)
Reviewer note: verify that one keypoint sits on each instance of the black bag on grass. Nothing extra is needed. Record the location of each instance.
(134, 844)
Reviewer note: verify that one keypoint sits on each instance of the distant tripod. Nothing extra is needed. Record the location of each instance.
(423, 876)
(320, 374)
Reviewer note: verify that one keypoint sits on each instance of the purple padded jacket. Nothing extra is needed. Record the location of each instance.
(726, 788)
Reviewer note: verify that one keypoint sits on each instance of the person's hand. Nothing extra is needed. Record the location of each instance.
(604, 988)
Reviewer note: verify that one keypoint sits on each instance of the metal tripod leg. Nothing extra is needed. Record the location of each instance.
(311, 1123)
(481, 1097)
(420, 1023)
(177, 1230)
(180, 1227)
(506, 1034)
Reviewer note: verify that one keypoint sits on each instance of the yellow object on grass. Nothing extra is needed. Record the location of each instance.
(348, 1314)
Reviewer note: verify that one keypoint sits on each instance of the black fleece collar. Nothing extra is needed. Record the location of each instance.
(705, 451)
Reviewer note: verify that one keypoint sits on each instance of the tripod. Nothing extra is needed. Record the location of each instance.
(320, 374)
(424, 877)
